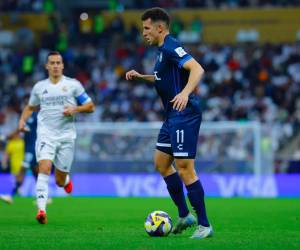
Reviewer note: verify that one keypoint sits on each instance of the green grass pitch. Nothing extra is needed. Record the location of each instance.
(118, 223)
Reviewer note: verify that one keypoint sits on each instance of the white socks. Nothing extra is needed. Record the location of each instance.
(67, 180)
(42, 191)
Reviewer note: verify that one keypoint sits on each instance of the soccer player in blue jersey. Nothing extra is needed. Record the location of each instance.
(29, 156)
(176, 76)
(30, 140)
(29, 161)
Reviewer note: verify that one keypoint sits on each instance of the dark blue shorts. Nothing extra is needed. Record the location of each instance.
(29, 160)
(178, 135)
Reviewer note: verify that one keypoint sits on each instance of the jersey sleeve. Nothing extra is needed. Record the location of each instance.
(81, 96)
(177, 54)
(34, 99)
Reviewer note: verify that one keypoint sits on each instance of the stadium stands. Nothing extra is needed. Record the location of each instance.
(243, 81)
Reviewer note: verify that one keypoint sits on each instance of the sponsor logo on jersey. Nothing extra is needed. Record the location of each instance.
(54, 100)
(180, 51)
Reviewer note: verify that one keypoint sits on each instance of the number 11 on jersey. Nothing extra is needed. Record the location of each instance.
(180, 135)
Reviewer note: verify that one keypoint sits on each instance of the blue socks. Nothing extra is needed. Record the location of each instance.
(175, 188)
(18, 184)
(196, 197)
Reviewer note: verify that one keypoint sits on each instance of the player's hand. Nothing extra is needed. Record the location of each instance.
(132, 74)
(180, 101)
(69, 110)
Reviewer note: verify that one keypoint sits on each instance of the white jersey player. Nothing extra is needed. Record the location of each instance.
(58, 99)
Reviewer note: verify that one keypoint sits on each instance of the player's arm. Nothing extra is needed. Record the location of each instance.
(33, 105)
(196, 72)
(134, 75)
(27, 112)
(85, 103)
(88, 107)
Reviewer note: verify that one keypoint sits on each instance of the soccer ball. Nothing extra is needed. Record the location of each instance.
(158, 223)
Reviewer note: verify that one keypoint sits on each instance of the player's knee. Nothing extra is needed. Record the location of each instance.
(182, 164)
(161, 169)
(185, 170)
(187, 177)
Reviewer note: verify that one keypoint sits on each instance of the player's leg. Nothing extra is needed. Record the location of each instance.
(16, 171)
(8, 198)
(35, 171)
(195, 191)
(63, 180)
(63, 162)
(42, 189)
(184, 138)
(28, 156)
(163, 160)
(33, 165)
(19, 181)
(45, 152)
(163, 164)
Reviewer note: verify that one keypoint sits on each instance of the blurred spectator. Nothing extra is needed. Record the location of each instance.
(245, 81)
(48, 6)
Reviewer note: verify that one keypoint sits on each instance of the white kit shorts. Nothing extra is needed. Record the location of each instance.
(61, 153)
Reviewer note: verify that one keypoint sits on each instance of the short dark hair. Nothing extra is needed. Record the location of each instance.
(156, 14)
(53, 53)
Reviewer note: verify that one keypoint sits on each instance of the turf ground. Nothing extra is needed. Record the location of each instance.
(117, 223)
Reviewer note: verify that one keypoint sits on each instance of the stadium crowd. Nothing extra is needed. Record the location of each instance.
(42, 5)
(244, 81)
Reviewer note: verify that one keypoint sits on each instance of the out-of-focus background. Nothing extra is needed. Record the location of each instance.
(249, 143)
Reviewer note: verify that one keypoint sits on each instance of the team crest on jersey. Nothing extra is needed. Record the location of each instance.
(64, 89)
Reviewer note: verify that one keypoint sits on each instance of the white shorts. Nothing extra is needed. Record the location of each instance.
(61, 153)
